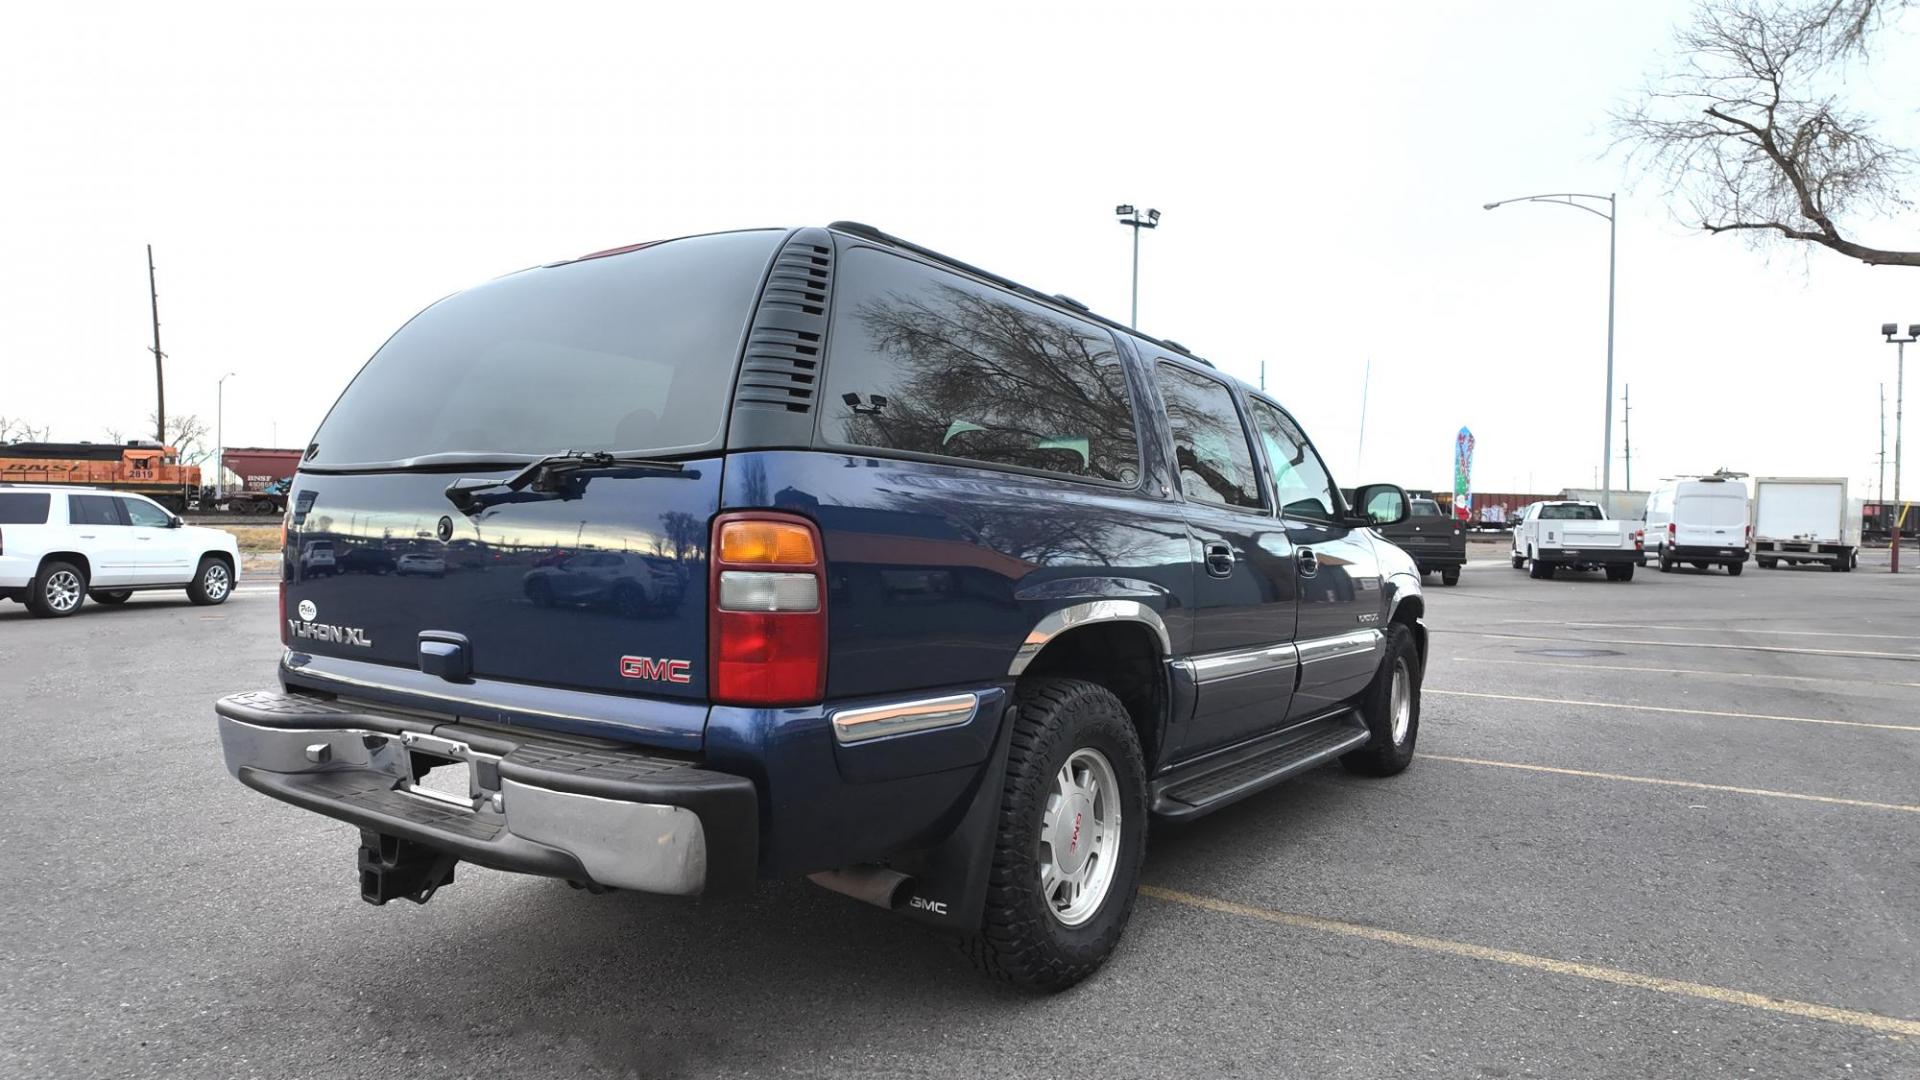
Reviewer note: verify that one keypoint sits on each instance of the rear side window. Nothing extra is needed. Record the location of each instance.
(1209, 443)
(24, 507)
(927, 362)
(631, 352)
(94, 510)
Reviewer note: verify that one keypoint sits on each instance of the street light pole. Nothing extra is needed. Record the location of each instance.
(1892, 331)
(1132, 219)
(220, 438)
(1611, 213)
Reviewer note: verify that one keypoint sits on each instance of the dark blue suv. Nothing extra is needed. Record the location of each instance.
(814, 552)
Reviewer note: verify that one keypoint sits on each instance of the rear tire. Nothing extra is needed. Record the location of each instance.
(212, 582)
(1539, 571)
(1450, 576)
(1391, 708)
(1838, 566)
(1734, 568)
(58, 590)
(110, 596)
(1037, 936)
(1519, 561)
(1765, 564)
(1623, 572)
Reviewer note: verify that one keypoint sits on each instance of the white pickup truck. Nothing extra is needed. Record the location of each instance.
(1571, 535)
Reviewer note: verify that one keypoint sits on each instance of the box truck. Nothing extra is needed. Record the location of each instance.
(1804, 519)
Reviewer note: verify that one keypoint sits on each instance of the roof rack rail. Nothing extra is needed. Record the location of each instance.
(868, 232)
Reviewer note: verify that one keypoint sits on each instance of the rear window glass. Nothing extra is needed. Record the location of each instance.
(626, 352)
(1426, 508)
(1713, 510)
(930, 363)
(24, 507)
(1570, 513)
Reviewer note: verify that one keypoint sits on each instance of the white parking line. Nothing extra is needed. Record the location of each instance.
(1860, 654)
(1678, 671)
(1725, 629)
(1692, 785)
(1669, 709)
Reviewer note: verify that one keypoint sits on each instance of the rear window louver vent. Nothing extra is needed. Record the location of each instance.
(780, 371)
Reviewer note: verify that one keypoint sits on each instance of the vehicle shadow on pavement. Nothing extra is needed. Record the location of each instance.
(788, 975)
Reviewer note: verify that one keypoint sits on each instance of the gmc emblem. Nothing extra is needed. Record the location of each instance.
(645, 667)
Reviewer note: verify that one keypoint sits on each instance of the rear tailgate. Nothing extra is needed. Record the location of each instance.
(579, 599)
(1585, 534)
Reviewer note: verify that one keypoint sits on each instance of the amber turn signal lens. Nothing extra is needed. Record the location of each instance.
(773, 543)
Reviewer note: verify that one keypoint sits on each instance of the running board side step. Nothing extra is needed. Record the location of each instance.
(1231, 775)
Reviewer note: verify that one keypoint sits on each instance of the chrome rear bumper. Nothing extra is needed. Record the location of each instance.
(588, 811)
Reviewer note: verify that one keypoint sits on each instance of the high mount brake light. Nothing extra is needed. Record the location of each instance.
(767, 628)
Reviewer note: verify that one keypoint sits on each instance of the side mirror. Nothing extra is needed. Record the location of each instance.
(174, 522)
(1381, 504)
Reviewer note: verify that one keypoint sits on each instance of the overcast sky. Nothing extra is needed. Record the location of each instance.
(310, 176)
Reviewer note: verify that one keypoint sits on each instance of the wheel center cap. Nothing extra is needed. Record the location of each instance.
(1073, 839)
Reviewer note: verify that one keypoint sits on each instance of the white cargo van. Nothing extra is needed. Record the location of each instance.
(1699, 520)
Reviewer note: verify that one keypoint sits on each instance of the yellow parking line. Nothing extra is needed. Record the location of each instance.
(1679, 671)
(1669, 709)
(1726, 788)
(1886, 1025)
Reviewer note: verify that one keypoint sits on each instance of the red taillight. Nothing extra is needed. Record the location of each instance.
(767, 629)
(1672, 530)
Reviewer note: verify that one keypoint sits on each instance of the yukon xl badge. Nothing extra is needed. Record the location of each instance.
(305, 627)
(646, 667)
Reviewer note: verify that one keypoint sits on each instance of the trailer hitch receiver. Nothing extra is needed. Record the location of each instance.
(393, 868)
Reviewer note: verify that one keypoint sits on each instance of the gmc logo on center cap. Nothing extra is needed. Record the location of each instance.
(645, 667)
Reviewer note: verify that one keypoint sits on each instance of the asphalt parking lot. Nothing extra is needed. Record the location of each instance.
(1658, 829)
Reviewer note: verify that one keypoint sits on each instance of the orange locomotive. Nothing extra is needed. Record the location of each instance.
(140, 465)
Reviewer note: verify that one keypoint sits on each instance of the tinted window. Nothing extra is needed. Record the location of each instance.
(1426, 508)
(142, 512)
(1299, 479)
(926, 362)
(1209, 444)
(24, 507)
(1570, 513)
(1730, 509)
(93, 510)
(626, 352)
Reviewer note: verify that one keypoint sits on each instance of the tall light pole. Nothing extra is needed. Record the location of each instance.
(220, 438)
(1892, 333)
(1132, 219)
(1613, 230)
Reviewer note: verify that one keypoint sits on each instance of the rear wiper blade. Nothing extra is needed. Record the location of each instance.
(546, 475)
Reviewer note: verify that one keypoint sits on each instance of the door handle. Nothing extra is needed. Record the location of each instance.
(86, 536)
(1219, 559)
(1307, 561)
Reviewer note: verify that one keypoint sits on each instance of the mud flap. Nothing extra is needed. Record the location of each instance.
(949, 888)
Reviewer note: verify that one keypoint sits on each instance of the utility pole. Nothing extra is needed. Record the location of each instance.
(1366, 381)
(1881, 498)
(1891, 331)
(1626, 421)
(159, 369)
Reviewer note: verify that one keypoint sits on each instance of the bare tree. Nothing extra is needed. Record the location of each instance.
(187, 434)
(13, 430)
(1753, 133)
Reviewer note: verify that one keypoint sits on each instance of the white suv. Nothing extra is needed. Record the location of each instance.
(60, 545)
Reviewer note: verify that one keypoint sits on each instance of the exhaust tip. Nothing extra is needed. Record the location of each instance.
(877, 885)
